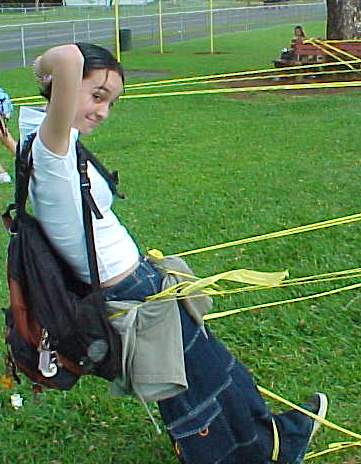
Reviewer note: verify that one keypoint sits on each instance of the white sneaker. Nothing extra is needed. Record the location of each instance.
(5, 178)
(318, 404)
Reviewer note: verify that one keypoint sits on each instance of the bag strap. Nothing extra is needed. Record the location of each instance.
(89, 206)
(112, 178)
(23, 166)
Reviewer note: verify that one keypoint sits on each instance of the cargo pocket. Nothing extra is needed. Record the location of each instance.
(203, 437)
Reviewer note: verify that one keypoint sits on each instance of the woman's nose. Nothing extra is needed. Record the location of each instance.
(103, 111)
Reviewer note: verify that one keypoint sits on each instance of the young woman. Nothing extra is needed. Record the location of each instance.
(220, 417)
(298, 34)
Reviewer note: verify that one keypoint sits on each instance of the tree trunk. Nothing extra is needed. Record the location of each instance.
(343, 19)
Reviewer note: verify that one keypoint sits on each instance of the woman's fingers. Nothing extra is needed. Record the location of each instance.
(42, 78)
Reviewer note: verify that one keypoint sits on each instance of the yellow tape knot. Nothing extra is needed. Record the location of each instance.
(155, 254)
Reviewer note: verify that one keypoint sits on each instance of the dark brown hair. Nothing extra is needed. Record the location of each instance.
(300, 28)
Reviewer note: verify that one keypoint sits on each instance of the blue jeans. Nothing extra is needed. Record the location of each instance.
(221, 418)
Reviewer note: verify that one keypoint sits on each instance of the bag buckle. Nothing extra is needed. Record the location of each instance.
(47, 358)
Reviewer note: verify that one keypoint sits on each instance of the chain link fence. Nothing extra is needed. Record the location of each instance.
(20, 43)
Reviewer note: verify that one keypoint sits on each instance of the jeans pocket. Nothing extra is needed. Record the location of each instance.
(203, 437)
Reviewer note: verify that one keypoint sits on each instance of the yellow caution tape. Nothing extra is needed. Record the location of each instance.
(231, 312)
(282, 233)
(318, 45)
(238, 73)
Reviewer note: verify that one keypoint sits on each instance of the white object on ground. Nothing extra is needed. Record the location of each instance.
(5, 178)
(16, 401)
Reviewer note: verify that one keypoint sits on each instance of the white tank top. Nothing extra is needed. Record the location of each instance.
(56, 201)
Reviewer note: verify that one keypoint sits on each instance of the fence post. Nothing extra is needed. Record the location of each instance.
(74, 38)
(211, 19)
(117, 30)
(181, 27)
(88, 28)
(23, 46)
(161, 28)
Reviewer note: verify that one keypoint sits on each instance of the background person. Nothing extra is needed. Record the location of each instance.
(298, 35)
(9, 143)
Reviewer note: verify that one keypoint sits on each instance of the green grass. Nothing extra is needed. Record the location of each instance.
(207, 169)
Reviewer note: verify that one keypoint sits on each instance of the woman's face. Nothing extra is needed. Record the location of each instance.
(97, 94)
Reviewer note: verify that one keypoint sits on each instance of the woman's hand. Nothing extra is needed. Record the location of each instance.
(42, 78)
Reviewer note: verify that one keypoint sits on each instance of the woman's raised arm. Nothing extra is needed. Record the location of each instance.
(62, 69)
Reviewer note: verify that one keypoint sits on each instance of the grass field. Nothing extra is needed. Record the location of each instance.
(200, 170)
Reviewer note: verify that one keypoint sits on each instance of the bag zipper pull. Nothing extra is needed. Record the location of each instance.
(47, 365)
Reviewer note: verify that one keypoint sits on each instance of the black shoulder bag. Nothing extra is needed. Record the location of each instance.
(56, 326)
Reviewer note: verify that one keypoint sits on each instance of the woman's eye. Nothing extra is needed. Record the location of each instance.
(97, 98)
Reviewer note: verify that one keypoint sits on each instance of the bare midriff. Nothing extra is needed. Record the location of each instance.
(118, 278)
